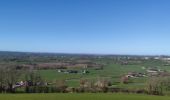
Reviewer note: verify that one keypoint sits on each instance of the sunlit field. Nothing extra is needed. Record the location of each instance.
(80, 97)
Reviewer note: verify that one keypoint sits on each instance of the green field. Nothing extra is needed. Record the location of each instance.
(111, 71)
(80, 97)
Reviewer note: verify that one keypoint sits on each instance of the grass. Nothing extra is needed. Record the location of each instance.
(108, 96)
(112, 71)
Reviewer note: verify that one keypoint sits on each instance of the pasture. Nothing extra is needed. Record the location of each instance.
(111, 71)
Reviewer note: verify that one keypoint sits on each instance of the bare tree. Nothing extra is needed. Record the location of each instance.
(154, 86)
(2, 79)
(8, 78)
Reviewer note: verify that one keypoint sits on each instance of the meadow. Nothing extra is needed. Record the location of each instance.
(112, 71)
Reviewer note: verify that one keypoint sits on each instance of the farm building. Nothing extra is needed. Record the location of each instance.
(135, 74)
(154, 72)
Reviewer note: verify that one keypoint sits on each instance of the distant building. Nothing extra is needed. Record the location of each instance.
(135, 74)
(156, 58)
(152, 70)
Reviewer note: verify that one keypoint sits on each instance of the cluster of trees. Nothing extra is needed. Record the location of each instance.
(8, 77)
(61, 87)
(158, 85)
(34, 83)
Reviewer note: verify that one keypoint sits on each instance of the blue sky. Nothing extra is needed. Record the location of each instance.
(85, 26)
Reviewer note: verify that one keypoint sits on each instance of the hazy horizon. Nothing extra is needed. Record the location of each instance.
(135, 27)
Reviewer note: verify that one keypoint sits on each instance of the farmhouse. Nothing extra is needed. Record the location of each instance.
(68, 71)
(155, 72)
(18, 84)
(152, 70)
(135, 74)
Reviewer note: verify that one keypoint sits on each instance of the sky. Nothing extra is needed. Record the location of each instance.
(86, 26)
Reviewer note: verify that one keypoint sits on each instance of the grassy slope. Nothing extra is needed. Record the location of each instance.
(79, 97)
